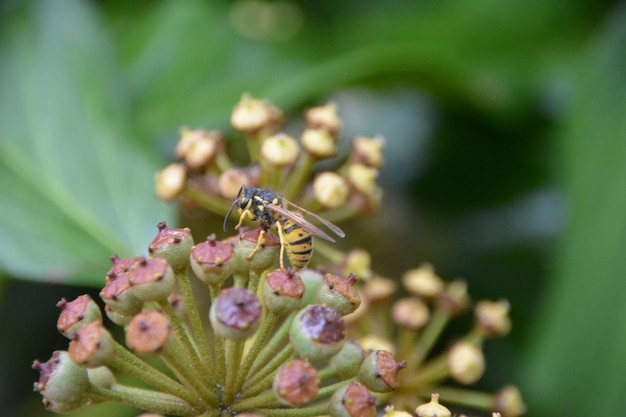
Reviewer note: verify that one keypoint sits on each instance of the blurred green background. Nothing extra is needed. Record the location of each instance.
(506, 157)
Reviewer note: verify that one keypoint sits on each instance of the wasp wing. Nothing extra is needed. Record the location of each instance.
(300, 221)
(334, 228)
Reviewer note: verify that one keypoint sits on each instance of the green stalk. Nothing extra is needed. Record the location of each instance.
(431, 374)
(299, 176)
(218, 342)
(214, 204)
(270, 349)
(152, 401)
(319, 410)
(233, 352)
(266, 400)
(127, 363)
(430, 335)
(267, 371)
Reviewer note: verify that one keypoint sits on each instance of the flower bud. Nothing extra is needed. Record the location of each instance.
(92, 346)
(235, 314)
(508, 401)
(312, 279)
(368, 151)
(75, 314)
(423, 281)
(379, 289)
(63, 384)
(148, 333)
(117, 318)
(280, 150)
(379, 371)
(324, 117)
(296, 383)
(265, 256)
(492, 318)
(331, 190)
(363, 178)
(170, 182)
(410, 313)
(358, 262)
(347, 362)
(466, 363)
(454, 298)
(251, 115)
(203, 150)
(121, 265)
(390, 412)
(317, 333)
(339, 293)
(282, 291)
(117, 294)
(319, 143)
(173, 245)
(374, 343)
(432, 409)
(212, 261)
(152, 279)
(352, 400)
(230, 181)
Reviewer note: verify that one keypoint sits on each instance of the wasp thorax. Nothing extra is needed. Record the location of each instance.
(317, 333)
(235, 314)
(282, 291)
(296, 383)
(212, 261)
(173, 245)
(339, 293)
(77, 313)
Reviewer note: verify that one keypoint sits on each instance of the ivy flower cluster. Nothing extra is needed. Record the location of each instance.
(252, 337)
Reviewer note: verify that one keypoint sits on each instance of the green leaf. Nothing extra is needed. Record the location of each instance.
(575, 363)
(76, 189)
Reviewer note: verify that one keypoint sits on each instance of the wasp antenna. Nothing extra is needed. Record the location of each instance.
(230, 210)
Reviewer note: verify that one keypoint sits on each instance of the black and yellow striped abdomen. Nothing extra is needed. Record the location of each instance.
(299, 244)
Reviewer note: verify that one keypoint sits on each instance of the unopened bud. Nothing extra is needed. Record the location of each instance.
(282, 291)
(319, 143)
(368, 151)
(331, 190)
(265, 255)
(363, 178)
(152, 279)
(148, 332)
(203, 151)
(492, 318)
(92, 346)
(352, 400)
(391, 412)
(423, 281)
(357, 262)
(410, 313)
(339, 293)
(466, 363)
(118, 295)
(454, 299)
(432, 409)
(508, 401)
(229, 182)
(62, 383)
(212, 261)
(379, 289)
(251, 115)
(374, 343)
(77, 313)
(280, 150)
(296, 383)
(170, 182)
(347, 362)
(173, 245)
(317, 333)
(324, 117)
(380, 372)
(236, 313)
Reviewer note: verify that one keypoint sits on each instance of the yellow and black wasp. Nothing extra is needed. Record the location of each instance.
(295, 233)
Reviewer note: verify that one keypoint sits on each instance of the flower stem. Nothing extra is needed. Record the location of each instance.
(433, 372)
(127, 363)
(266, 372)
(430, 335)
(319, 410)
(267, 399)
(153, 401)
(220, 352)
(233, 358)
(214, 204)
(270, 349)
(298, 177)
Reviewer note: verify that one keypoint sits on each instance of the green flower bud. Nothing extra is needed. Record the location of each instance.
(253, 116)
(339, 293)
(212, 261)
(152, 279)
(117, 318)
(63, 384)
(379, 371)
(170, 182)
(92, 346)
(312, 279)
(324, 117)
(117, 293)
(352, 400)
(492, 318)
(317, 333)
(296, 383)
(423, 281)
(101, 377)
(347, 362)
(148, 332)
(411, 313)
(75, 314)
(173, 245)
(236, 314)
(282, 291)
(508, 401)
(466, 362)
(454, 298)
(280, 150)
(432, 409)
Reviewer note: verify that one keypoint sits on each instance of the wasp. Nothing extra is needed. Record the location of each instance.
(295, 232)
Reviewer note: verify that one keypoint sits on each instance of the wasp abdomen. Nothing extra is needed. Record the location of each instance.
(299, 244)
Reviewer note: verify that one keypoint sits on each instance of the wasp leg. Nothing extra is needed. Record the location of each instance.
(259, 243)
(242, 218)
(281, 236)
